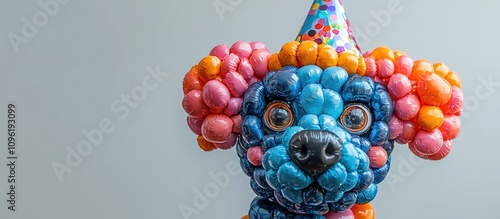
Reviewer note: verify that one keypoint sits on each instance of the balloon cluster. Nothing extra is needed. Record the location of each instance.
(427, 98)
(213, 91)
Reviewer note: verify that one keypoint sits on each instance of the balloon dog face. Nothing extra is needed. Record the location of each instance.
(314, 129)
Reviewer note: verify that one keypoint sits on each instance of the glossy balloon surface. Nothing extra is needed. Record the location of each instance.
(315, 124)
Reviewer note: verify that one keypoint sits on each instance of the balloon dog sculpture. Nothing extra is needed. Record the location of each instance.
(314, 125)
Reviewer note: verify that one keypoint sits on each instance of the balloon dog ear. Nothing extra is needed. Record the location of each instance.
(213, 91)
(427, 101)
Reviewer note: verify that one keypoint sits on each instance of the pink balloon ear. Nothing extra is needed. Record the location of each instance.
(213, 92)
(415, 86)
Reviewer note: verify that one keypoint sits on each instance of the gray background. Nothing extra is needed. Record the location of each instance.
(65, 79)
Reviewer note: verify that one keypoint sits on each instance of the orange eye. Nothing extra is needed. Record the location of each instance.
(278, 116)
(356, 119)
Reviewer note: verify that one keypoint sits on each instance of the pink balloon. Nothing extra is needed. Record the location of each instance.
(194, 105)
(236, 123)
(456, 102)
(407, 107)
(347, 214)
(258, 45)
(367, 53)
(259, 61)
(254, 155)
(217, 128)
(230, 64)
(216, 95)
(385, 68)
(229, 143)
(451, 127)
(399, 86)
(378, 79)
(378, 156)
(409, 131)
(245, 69)
(371, 67)
(404, 65)
(443, 152)
(220, 51)
(428, 143)
(241, 49)
(234, 106)
(236, 84)
(395, 127)
(252, 80)
(195, 124)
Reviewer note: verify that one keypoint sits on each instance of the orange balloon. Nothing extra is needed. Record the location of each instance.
(288, 54)
(383, 53)
(420, 67)
(274, 62)
(454, 79)
(361, 66)
(192, 81)
(365, 211)
(204, 144)
(430, 117)
(433, 89)
(349, 62)
(441, 69)
(307, 53)
(327, 56)
(209, 68)
(245, 217)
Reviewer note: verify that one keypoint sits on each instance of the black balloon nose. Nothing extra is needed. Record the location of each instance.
(315, 150)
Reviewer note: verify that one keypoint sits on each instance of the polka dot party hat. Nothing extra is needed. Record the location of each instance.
(327, 23)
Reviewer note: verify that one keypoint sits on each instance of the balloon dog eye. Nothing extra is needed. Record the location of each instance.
(278, 116)
(356, 119)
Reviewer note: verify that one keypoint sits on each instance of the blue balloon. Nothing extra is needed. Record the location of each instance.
(333, 78)
(309, 74)
(253, 100)
(292, 195)
(367, 195)
(310, 122)
(312, 99)
(258, 190)
(379, 133)
(333, 178)
(283, 85)
(346, 202)
(334, 105)
(290, 175)
(313, 196)
(251, 127)
(358, 89)
(382, 105)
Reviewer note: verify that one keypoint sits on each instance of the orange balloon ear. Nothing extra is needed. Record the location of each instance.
(364, 211)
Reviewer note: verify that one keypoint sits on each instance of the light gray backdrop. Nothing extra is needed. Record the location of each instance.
(69, 71)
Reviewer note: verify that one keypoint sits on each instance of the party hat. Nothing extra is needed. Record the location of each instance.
(327, 23)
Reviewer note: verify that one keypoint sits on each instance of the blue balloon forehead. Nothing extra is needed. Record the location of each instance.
(284, 84)
(358, 89)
